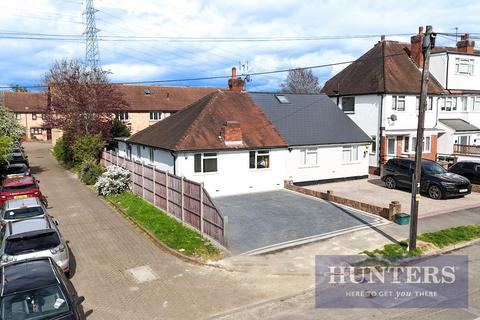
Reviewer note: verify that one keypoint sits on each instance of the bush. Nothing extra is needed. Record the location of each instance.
(88, 148)
(113, 181)
(90, 171)
(62, 151)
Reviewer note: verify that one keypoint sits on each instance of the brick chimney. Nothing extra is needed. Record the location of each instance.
(235, 84)
(466, 44)
(232, 133)
(416, 53)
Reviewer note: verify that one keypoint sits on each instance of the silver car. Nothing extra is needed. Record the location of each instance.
(16, 209)
(32, 238)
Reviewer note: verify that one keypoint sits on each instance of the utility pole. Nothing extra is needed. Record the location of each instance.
(427, 44)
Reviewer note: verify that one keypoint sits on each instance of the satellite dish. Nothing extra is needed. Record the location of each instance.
(393, 117)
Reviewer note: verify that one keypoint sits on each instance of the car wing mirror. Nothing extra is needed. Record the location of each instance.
(79, 300)
(38, 181)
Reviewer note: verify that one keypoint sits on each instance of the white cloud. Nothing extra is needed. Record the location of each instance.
(25, 61)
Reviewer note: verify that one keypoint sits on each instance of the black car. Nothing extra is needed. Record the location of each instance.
(18, 158)
(436, 181)
(468, 169)
(38, 289)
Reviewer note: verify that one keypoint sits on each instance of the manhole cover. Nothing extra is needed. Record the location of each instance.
(142, 274)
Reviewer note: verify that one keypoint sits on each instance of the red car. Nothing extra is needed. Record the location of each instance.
(18, 188)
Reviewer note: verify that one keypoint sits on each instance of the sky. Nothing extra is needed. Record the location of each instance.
(25, 61)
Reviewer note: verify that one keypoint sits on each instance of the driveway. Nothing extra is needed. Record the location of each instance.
(267, 221)
(122, 274)
(373, 191)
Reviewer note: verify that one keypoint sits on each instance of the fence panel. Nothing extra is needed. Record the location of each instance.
(184, 199)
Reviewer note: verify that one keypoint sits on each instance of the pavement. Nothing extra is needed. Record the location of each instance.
(123, 275)
(265, 221)
(373, 191)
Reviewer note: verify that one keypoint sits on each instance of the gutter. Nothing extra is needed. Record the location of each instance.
(174, 156)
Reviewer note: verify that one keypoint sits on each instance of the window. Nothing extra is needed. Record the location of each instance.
(464, 103)
(374, 144)
(349, 154)
(129, 151)
(34, 116)
(122, 116)
(259, 159)
(464, 140)
(139, 151)
(398, 103)
(425, 144)
(429, 103)
(348, 104)
(151, 154)
(449, 104)
(476, 103)
(36, 130)
(282, 98)
(146, 92)
(406, 144)
(464, 66)
(309, 156)
(18, 116)
(391, 142)
(205, 162)
(156, 115)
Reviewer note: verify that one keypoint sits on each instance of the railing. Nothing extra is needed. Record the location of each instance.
(185, 200)
(466, 149)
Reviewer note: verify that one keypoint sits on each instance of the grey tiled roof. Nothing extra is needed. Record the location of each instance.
(309, 119)
(459, 125)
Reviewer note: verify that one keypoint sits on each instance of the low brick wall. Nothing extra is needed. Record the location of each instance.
(476, 187)
(387, 213)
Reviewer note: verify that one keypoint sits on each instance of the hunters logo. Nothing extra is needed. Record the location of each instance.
(359, 282)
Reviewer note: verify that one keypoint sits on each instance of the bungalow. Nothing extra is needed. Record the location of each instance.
(235, 142)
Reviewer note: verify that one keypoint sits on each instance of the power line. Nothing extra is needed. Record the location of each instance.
(229, 76)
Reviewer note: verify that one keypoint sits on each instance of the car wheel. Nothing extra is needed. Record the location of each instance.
(390, 182)
(435, 192)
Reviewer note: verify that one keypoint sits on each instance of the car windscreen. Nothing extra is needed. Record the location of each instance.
(42, 303)
(16, 169)
(432, 168)
(22, 213)
(19, 188)
(37, 242)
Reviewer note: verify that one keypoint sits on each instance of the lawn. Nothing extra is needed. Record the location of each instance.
(165, 228)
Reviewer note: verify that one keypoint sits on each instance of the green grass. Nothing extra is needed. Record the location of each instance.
(167, 229)
(449, 236)
(393, 252)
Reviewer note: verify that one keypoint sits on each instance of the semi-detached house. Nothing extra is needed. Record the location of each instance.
(236, 142)
(380, 92)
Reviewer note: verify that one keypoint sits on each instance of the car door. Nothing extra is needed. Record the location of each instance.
(476, 174)
(405, 173)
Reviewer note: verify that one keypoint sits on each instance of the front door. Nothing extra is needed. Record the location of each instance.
(49, 134)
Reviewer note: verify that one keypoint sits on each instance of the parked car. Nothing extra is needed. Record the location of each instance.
(17, 209)
(37, 289)
(31, 238)
(15, 170)
(19, 158)
(20, 188)
(468, 169)
(436, 181)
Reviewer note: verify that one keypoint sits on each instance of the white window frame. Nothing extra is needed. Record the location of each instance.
(394, 146)
(122, 116)
(151, 155)
(373, 149)
(349, 111)
(35, 131)
(34, 116)
(257, 154)
(304, 155)
(476, 103)
(353, 156)
(204, 156)
(413, 141)
(156, 115)
(395, 103)
(464, 66)
(18, 116)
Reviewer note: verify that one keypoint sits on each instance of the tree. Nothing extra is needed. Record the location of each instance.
(18, 88)
(6, 146)
(300, 81)
(82, 102)
(119, 129)
(9, 126)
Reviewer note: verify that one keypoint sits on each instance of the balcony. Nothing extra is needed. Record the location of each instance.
(466, 149)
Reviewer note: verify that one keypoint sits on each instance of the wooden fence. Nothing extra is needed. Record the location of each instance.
(186, 200)
(466, 149)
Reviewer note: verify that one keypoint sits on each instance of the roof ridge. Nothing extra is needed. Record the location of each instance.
(173, 116)
(212, 97)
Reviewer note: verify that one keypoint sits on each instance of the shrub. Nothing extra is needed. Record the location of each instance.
(87, 148)
(113, 181)
(62, 151)
(90, 171)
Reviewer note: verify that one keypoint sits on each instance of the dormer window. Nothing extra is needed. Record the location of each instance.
(281, 98)
(146, 92)
(464, 66)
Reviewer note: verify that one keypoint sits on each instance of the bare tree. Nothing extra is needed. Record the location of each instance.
(81, 101)
(300, 81)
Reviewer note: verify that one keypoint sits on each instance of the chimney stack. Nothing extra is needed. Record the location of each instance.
(466, 44)
(232, 133)
(382, 38)
(416, 52)
(235, 84)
